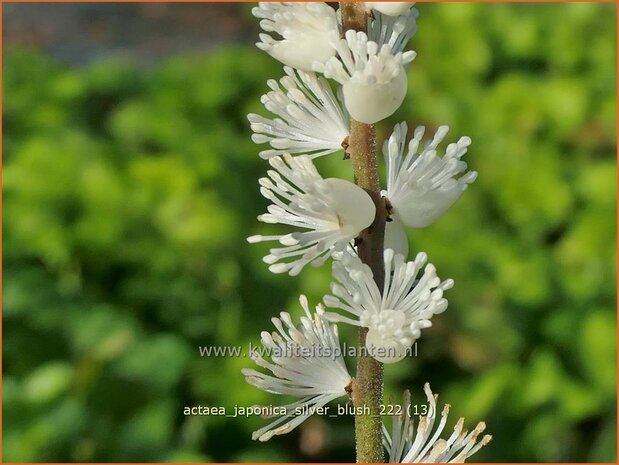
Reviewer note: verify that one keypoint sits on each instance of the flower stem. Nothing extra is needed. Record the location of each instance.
(367, 389)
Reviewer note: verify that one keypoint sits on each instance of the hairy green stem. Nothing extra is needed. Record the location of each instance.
(367, 389)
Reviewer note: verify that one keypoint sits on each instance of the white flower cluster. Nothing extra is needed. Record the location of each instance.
(421, 186)
(394, 316)
(332, 212)
(317, 378)
(332, 78)
(373, 79)
(311, 120)
(307, 30)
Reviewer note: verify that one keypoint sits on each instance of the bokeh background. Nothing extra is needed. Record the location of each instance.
(130, 184)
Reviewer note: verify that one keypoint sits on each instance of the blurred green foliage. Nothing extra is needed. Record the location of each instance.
(128, 194)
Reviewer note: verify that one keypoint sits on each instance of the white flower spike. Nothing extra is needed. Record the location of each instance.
(373, 78)
(307, 30)
(421, 186)
(395, 31)
(407, 445)
(331, 211)
(395, 318)
(310, 118)
(306, 362)
(390, 8)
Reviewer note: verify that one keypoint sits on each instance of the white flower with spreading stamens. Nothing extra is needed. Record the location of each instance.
(311, 120)
(395, 31)
(390, 8)
(422, 186)
(307, 30)
(373, 78)
(332, 211)
(306, 362)
(394, 318)
(407, 445)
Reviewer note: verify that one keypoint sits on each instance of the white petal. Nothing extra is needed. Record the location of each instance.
(419, 211)
(395, 237)
(301, 53)
(370, 103)
(355, 209)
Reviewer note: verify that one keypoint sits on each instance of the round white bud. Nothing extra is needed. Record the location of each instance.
(373, 102)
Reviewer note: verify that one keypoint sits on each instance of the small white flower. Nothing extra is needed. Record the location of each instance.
(395, 31)
(373, 78)
(391, 8)
(394, 318)
(407, 445)
(306, 362)
(421, 186)
(307, 30)
(332, 211)
(311, 119)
